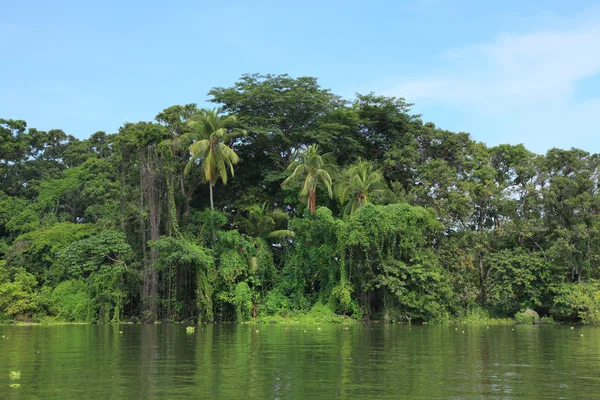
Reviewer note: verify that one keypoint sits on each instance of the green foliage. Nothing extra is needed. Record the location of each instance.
(37, 250)
(309, 170)
(321, 313)
(386, 257)
(101, 261)
(83, 257)
(360, 183)
(242, 300)
(245, 268)
(264, 222)
(517, 278)
(524, 318)
(275, 303)
(72, 301)
(342, 301)
(578, 302)
(201, 224)
(183, 263)
(311, 266)
(17, 292)
(211, 132)
(120, 225)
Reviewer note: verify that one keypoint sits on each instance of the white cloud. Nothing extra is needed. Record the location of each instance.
(529, 78)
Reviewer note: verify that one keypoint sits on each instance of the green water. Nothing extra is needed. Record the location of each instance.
(294, 362)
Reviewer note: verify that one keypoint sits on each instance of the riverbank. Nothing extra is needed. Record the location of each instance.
(294, 320)
(322, 315)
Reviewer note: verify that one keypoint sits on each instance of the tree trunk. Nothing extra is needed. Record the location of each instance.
(312, 200)
(151, 191)
(212, 206)
(212, 209)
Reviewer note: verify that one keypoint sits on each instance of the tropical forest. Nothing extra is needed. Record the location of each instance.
(286, 201)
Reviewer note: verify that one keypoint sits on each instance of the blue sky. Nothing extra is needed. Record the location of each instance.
(504, 71)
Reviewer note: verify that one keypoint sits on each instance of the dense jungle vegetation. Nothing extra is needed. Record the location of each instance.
(286, 199)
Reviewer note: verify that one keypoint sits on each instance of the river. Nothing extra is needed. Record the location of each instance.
(229, 361)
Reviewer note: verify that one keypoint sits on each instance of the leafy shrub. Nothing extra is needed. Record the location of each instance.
(524, 318)
(342, 302)
(517, 278)
(71, 301)
(275, 303)
(38, 250)
(322, 314)
(578, 302)
(17, 295)
(242, 300)
(386, 250)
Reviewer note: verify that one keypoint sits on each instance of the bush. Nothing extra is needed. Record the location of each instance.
(71, 301)
(242, 300)
(275, 303)
(322, 314)
(341, 300)
(17, 296)
(517, 278)
(578, 302)
(524, 318)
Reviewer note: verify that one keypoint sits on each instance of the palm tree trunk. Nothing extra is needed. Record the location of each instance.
(312, 200)
(212, 210)
(212, 206)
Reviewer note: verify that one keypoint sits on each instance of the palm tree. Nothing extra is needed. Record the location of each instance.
(262, 222)
(359, 182)
(211, 131)
(310, 169)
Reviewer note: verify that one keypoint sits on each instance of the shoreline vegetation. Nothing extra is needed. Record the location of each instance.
(290, 203)
(323, 316)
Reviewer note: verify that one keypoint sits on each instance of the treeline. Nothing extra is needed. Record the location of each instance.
(288, 199)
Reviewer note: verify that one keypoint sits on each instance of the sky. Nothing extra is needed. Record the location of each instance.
(504, 71)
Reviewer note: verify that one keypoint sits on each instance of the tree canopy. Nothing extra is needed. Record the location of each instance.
(425, 225)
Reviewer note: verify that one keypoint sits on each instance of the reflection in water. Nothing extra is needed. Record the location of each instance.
(290, 361)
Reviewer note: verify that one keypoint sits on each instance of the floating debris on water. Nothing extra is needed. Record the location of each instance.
(15, 375)
(190, 329)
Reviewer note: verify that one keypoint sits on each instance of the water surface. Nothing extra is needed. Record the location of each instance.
(230, 361)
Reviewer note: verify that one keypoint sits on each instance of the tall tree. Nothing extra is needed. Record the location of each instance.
(262, 221)
(283, 115)
(138, 147)
(358, 183)
(175, 150)
(310, 169)
(212, 131)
